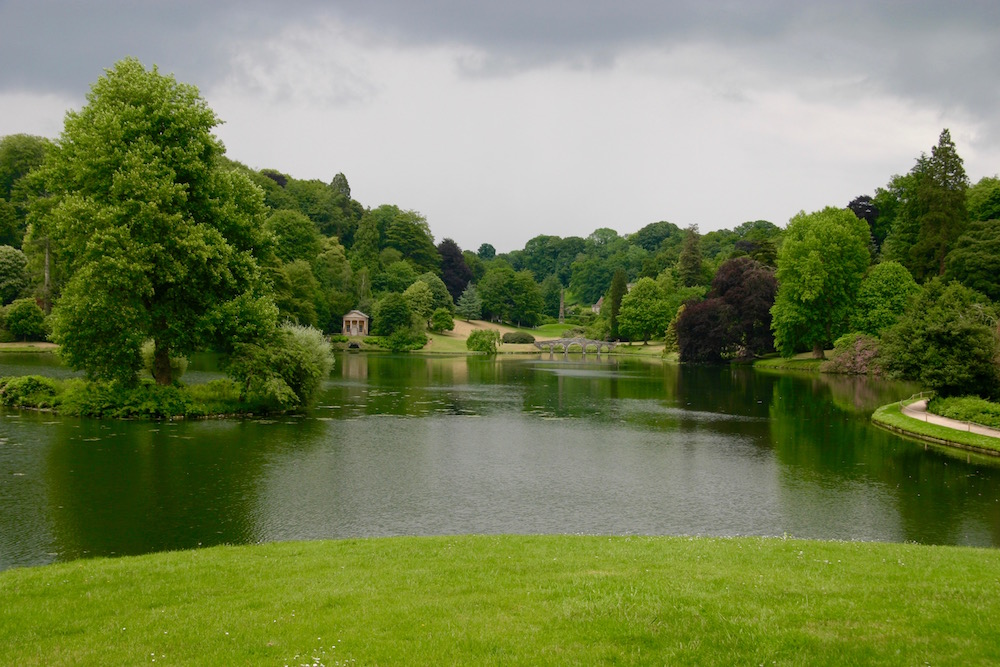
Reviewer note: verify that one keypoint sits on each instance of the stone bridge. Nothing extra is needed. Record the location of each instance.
(584, 343)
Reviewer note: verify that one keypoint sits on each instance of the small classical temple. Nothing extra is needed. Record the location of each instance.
(355, 324)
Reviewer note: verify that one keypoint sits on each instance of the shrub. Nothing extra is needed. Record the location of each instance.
(119, 401)
(483, 340)
(25, 320)
(854, 354)
(339, 338)
(285, 372)
(946, 340)
(442, 320)
(518, 337)
(28, 391)
(967, 408)
(392, 312)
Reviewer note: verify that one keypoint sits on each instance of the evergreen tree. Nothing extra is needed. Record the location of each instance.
(928, 208)
(470, 306)
(689, 263)
(941, 191)
(340, 186)
(619, 286)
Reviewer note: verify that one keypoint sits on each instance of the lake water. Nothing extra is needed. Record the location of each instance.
(414, 445)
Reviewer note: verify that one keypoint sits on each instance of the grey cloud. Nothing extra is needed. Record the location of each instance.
(931, 52)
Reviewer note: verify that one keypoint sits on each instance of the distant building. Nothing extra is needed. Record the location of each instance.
(355, 324)
(596, 308)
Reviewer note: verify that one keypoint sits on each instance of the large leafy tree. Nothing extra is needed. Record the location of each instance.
(442, 298)
(820, 266)
(749, 288)
(526, 300)
(392, 314)
(19, 155)
(735, 319)
(295, 236)
(975, 259)
(454, 271)
(13, 274)
(883, 296)
(705, 330)
(983, 199)
(409, 233)
(947, 341)
(643, 311)
(159, 241)
(591, 277)
(652, 236)
(496, 291)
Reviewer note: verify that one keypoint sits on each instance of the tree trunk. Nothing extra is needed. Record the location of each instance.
(818, 351)
(162, 372)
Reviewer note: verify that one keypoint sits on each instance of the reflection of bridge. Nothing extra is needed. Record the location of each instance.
(583, 343)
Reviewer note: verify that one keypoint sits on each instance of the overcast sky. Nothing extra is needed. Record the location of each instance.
(500, 121)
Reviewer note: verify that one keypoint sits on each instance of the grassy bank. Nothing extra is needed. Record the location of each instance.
(76, 397)
(800, 362)
(511, 600)
(891, 417)
(28, 347)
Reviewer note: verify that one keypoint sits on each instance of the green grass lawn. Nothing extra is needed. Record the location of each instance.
(554, 330)
(891, 417)
(479, 600)
(446, 343)
(800, 362)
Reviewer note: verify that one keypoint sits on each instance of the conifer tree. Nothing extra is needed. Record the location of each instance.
(470, 306)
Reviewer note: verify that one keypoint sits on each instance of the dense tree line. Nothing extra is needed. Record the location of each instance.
(134, 226)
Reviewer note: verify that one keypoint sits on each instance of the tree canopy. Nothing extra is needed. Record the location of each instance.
(160, 243)
(947, 341)
(820, 266)
(643, 312)
(883, 296)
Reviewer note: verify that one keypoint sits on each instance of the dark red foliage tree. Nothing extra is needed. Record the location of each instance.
(455, 273)
(735, 318)
(705, 331)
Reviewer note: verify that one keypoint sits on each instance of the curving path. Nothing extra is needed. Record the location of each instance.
(918, 410)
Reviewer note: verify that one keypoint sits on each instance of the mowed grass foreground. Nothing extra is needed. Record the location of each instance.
(511, 600)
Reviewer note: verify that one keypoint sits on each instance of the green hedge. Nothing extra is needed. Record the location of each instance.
(518, 337)
(967, 408)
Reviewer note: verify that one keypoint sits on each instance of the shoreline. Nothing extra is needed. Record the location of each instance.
(891, 418)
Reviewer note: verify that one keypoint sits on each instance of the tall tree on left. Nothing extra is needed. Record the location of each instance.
(160, 242)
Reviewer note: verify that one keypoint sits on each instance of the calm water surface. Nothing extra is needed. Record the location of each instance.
(410, 445)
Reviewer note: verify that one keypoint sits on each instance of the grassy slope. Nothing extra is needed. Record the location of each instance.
(511, 600)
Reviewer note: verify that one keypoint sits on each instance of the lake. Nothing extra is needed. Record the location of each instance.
(434, 445)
